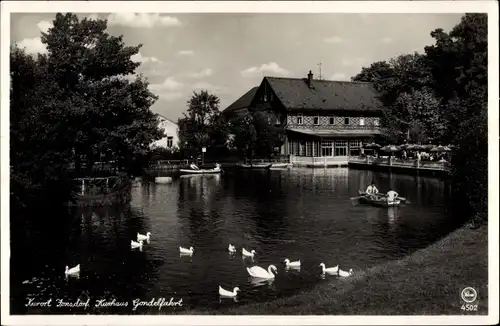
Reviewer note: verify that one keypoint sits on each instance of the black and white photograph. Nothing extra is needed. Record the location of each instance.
(181, 162)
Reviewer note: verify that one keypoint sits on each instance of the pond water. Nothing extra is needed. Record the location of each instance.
(301, 214)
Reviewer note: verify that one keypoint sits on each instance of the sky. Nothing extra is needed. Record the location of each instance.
(227, 54)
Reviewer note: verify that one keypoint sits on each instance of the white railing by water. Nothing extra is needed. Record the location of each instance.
(319, 161)
(397, 162)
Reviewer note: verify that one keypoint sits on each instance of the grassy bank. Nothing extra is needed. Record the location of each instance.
(428, 282)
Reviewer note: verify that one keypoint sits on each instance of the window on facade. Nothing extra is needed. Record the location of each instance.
(277, 121)
(326, 148)
(316, 120)
(331, 120)
(361, 121)
(293, 147)
(346, 121)
(170, 141)
(375, 121)
(355, 147)
(299, 119)
(309, 148)
(340, 148)
(302, 148)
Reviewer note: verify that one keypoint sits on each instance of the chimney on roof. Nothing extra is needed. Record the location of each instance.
(309, 78)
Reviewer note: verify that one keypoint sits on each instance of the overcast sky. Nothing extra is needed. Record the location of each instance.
(230, 53)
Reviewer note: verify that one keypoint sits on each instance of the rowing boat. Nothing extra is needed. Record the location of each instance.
(255, 166)
(380, 201)
(201, 171)
(279, 166)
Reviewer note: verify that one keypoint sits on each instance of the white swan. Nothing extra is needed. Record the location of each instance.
(329, 270)
(292, 264)
(134, 244)
(247, 253)
(231, 248)
(346, 274)
(226, 293)
(186, 251)
(73, 270)
(143, 237)
(259, 272)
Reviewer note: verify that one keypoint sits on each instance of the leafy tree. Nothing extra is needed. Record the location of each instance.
(107, 114)
(459, 64)
(269, 137)
(244, 135)
(202, 125)
(412, 109)
(254, 135)
(442, 95)
(38, 151)
(72, 105)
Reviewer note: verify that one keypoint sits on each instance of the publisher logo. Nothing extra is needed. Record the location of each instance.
(469, 294)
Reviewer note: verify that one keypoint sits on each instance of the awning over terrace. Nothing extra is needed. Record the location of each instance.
(334, 133)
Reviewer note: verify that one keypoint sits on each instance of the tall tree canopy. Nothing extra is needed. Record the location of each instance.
(73, 104)
(442, 96)
(255, 135)
(403, 85)
(202, 125)
(459, 64)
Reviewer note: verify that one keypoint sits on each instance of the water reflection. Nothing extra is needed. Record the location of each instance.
(392, 214)
(304, 214)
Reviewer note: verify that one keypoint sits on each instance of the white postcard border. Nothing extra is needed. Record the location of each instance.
(489, 7)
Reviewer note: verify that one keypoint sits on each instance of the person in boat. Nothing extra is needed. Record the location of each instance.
(193, 166)
(372, 191)
(391, 196)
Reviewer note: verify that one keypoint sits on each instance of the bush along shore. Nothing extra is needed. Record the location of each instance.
(427, 282)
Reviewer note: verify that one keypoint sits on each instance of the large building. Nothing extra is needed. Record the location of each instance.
(170, 129)
(325, 120)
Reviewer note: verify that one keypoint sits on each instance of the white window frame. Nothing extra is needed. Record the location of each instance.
(300, 119)
(316, 120)
(376, 122)
(348, 121)
(170, 141)
(327, 144)
(331, 120)
(361, 121)
(341, 145)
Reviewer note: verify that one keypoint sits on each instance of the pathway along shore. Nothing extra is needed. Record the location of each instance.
(427, 282)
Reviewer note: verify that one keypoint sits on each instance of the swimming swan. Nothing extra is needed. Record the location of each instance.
(226, 293)
(231, 248)
(292, 264)
(186, 251)
(260, 272)
(143, 237)
(134, 244)
(346, 274)
(248, 253)
(329, 270)
(73, 270)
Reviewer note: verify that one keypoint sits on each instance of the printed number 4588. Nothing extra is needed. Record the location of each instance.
(469, 307)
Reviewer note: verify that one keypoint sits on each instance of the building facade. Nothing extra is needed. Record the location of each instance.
(325, 121)
(171, 136)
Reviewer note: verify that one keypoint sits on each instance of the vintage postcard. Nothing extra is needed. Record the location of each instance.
(245, 163)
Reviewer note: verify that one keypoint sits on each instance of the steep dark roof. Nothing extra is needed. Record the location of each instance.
(165, 118)
(243, 102)
(294, 93)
